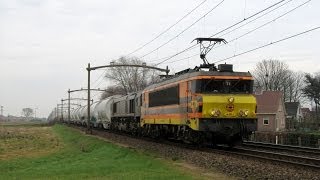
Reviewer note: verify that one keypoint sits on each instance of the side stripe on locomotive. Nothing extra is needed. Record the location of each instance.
(191, 112)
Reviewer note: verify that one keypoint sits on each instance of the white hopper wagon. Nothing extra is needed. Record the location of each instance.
(102, 112)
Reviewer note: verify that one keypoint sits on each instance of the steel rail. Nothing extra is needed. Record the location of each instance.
(300, 149)
(278, 157)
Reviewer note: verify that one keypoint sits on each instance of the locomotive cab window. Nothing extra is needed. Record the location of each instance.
(164, 97)
(223, 86)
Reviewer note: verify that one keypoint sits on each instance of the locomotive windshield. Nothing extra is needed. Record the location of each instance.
(224, 86)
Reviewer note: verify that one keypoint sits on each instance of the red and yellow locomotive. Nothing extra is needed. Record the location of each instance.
(216, 106)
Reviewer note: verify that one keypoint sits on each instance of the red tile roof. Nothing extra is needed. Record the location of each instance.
(268, 101)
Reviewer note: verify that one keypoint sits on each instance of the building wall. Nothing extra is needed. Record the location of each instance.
(299, 114)
(263, 127)
(281, 118)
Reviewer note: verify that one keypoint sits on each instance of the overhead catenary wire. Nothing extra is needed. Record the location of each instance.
(246, 32)
(269, 22)
(197, 54)
(229, 27)
(166, 30)
(253, 15)
(266, 45)
(255, 18)
(269, 44)
(97, 93)
(164, 59)
(229, 41)
(97, 80)
(193, 46)
(167, 42)
(172, 56)
(160, 34)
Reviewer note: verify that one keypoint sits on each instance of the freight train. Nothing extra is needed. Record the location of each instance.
(196, 106)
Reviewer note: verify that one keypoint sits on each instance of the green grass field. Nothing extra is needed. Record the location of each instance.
(60, 152)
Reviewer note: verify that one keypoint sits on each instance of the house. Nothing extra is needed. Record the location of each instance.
(293, 110)
(271, 111)
(305, 112)
(307, 115)
(310, 118)
(294, 114)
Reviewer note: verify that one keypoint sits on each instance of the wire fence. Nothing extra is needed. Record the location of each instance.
(288, 138)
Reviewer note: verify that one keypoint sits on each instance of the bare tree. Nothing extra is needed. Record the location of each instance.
(27, 112)
(275, 75)
(293, 87)
(131, 79)
(112, 90)
(270, 74)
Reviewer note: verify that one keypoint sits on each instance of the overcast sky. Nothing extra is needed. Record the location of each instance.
(45, 45)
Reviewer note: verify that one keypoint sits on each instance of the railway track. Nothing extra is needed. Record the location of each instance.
(310, 162)
(283, 148)
(243, 151)
(296, 155)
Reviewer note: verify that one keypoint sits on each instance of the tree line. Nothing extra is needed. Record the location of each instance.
(275, 75)
(128, 79)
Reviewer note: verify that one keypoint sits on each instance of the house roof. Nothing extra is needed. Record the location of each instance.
(268, 101)
(291, 108)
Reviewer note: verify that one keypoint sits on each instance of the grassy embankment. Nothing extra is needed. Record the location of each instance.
(58, 152)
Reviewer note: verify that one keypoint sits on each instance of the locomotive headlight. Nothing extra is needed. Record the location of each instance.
(215, 112)
(243, 113)
(246, 112)
(231, 99)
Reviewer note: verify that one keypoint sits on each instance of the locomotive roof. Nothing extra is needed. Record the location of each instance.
(195, 74)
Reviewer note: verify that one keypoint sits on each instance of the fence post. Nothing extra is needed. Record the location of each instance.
(299, 141)
(276, 139)
(252, 137)
(255, 137)
(319, 143)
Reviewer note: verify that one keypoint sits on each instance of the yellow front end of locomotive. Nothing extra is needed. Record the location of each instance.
(229, 106)
(219, 110)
